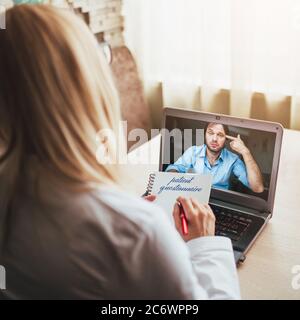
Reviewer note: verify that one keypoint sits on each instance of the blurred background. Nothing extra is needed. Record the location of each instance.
(237, 57)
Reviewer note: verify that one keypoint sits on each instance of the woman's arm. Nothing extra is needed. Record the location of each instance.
(201, 268)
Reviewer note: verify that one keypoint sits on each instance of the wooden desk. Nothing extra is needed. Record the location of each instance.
(267, 271)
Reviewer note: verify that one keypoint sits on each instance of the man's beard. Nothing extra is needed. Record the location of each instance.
(214, 150)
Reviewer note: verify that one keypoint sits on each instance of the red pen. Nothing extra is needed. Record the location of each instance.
(183, 221)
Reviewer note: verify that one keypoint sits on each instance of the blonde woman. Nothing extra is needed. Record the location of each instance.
(68, 230)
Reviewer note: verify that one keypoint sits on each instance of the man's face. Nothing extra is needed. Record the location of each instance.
(215, 137)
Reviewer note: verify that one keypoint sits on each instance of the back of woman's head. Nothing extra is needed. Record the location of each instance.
(56, 93)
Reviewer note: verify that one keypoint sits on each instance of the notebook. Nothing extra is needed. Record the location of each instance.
(168, 186)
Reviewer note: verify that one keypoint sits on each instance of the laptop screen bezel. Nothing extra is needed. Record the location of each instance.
(249, 201)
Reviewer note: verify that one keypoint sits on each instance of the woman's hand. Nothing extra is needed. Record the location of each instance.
(150, 198)
(200, 218)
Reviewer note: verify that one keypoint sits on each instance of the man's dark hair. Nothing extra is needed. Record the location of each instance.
(225, 127)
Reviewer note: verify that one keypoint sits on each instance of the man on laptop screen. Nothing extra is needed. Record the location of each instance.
(241, 155)
(214, 157)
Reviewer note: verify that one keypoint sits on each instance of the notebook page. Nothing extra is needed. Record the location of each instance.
(168, 186)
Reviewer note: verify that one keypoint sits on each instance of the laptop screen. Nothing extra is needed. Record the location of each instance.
(239, 159)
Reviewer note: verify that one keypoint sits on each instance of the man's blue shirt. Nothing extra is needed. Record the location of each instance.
(194, 160)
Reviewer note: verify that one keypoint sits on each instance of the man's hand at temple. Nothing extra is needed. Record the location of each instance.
(237, 144)
(253, 172)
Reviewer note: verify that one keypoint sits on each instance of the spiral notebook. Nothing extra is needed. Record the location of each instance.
(168, 186)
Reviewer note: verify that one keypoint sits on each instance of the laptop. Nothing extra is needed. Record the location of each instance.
(243, 189)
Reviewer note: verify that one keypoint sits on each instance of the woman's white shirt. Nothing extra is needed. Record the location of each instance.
(107, 244)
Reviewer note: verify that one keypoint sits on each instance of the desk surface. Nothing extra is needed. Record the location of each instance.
(267, 270)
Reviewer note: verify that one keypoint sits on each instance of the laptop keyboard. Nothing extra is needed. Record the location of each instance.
(230, 223)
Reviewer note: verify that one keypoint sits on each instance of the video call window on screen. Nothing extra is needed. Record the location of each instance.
(244, 156)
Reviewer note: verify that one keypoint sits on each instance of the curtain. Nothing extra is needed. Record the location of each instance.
(238, 57)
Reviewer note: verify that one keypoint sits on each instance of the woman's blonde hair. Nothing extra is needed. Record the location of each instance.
(56, 93)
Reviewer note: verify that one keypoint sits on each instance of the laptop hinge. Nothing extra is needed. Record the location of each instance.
(270, 213)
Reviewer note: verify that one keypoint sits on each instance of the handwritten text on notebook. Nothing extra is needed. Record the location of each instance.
(179, 184)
